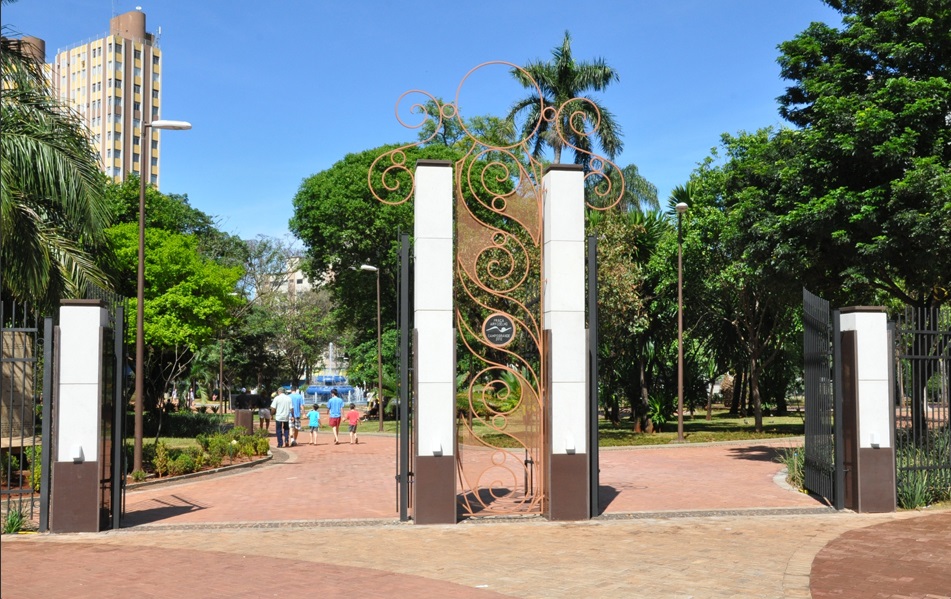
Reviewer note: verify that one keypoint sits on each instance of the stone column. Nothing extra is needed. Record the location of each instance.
(563, 259)
(435, 384)
(868, 415)
(75, 502)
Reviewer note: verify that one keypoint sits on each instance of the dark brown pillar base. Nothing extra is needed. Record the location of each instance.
(435, 490)
(74, 504)
(568, 485)
(876, 480)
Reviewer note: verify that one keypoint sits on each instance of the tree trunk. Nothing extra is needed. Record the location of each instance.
(641, 423)
(737, 392)
(754, 395)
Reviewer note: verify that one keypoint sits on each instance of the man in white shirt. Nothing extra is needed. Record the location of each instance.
(281, 405)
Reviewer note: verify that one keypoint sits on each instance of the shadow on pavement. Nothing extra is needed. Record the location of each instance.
(158, 509)
(758, 453)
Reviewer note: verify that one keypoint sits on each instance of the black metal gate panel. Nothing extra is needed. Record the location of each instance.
(819, 471)
(26, 340)
(922, 350)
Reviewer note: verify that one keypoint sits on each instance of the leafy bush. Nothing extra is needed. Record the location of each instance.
(14, 522)
(33, 460)
(914, 489)
(917, 487)
(184, 463)
(660, 411)
(162, 461)
(10, 462)
(182, 424)
(794, 458)
(138, 476)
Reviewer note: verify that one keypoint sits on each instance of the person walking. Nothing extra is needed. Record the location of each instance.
(281, 404)
(334, 409)
(297, 412)
(353, 417)
(313, 420)
(264, 418)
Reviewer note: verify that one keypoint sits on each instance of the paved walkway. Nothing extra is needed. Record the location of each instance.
(267, 532)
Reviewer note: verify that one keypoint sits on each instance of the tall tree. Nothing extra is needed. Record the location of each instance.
(563, 82)
(52, 213)
(869, 208)
(343, 225)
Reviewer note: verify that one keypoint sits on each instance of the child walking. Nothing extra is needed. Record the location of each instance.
(313, 419)
(353, 417)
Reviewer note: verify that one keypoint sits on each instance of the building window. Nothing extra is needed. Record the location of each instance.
(136, 123)
(136, 88)
(154, 161)
(137, 71)
(135, 158)
(137, 54)
(136, 106)
(155, 94)
(154, 144)
(118, 154)
(154, 113)
(135, 140)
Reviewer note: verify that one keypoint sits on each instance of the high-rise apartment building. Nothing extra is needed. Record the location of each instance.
(115, 82)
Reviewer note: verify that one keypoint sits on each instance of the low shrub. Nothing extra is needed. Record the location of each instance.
(14, 522)
(9, 462)
(794, 458)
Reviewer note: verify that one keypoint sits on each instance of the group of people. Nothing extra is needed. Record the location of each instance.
(287, 411)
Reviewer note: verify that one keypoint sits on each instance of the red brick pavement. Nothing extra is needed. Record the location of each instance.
(316, 482)
(346, 481)
(904, 559)
(697, 477)
(87, 571)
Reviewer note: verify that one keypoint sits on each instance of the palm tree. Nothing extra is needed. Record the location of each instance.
(562, 83)
(53, 216)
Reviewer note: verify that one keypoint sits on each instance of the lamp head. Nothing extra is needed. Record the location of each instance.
(681, 207)
(163, 124)
(369, 268)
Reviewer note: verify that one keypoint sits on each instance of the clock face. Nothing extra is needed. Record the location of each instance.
(499, 329)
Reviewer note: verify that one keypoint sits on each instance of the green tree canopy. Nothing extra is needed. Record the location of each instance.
(343, 225)
(867, 207)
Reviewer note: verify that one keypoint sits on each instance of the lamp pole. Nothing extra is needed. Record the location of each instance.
(379, 343)
(681, 208)
(145, 143)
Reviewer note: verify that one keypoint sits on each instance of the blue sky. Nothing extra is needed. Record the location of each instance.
(280, 90)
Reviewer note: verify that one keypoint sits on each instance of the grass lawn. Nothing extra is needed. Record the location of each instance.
(723, 427)
(697, 429)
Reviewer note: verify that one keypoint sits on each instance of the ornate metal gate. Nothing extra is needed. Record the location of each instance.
(502, 399)
(498, 318)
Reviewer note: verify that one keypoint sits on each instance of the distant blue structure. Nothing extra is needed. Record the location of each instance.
(320, 393)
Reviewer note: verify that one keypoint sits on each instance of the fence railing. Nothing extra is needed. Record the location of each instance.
(922, 338)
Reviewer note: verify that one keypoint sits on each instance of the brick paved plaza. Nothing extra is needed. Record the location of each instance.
(685, 521)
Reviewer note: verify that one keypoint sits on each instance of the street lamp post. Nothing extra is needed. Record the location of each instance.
(379, 343)
(144, 144)
(681, 208)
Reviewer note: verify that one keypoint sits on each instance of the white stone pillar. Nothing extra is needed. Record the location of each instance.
(75, 498)
(435, 375)
(563, 259)
(868, 419)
